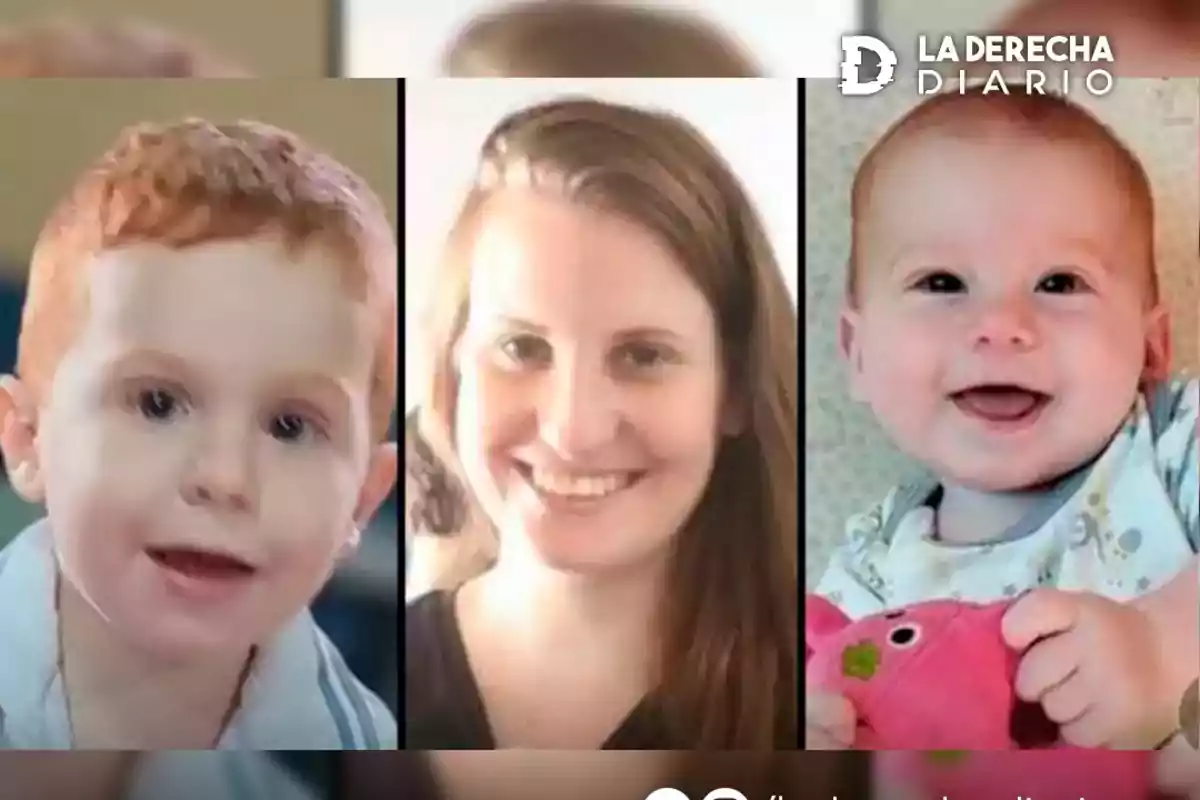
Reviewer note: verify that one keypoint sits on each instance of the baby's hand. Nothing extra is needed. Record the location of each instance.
(1093, 665)
(829, 722)
(1179, 770)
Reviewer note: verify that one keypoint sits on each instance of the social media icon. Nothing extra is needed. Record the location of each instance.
(715, 794)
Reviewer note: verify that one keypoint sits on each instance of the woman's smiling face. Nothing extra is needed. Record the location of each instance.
(590, 384)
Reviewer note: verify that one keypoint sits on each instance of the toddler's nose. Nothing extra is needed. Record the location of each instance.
(225, 495)
(221, 476)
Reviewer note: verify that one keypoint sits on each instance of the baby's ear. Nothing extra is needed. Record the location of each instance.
(1159, 351)
(850, 347)
(822, 619)
(18, 439)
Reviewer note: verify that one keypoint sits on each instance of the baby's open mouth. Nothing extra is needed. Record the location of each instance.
(200, 563)
(1000, 402)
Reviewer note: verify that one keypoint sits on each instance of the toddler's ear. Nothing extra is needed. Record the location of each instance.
(380, 480)
(18, 439)
(347, 548)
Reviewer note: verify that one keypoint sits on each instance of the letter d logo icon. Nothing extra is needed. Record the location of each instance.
(852, 56)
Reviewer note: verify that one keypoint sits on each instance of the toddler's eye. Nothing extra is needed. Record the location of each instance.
(288, 427)
(159, 405)
(1061, 283)
(941, 283)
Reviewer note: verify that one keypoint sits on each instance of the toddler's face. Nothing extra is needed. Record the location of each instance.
(1001, 330)
(216, 400)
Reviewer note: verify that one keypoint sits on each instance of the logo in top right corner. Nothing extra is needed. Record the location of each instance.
(1189, 715)
(852, 66)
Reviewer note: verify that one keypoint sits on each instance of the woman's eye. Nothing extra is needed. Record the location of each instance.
(941, 283)
(1061, 283)
(526, 350)
(643, 357)
(159, 405)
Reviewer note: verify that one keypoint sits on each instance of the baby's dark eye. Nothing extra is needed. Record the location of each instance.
(904, 636)
(941, 283)
(1061, 283)
(288, 427)
(158, 405)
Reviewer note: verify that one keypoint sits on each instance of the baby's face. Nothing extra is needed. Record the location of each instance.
(216, 399)
(1001, 329)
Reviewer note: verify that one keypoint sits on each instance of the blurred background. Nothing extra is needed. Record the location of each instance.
(407, 37)
(269, 38)
(906, 19)
(1149, 38)
(53, 129)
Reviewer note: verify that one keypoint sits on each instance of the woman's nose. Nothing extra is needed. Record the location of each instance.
(578, 415)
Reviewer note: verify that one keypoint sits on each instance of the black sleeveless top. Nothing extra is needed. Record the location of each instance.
(443, 704)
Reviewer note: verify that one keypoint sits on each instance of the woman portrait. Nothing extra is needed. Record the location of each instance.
(609, 379)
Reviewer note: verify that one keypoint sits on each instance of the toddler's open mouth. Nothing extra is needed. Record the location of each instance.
(197, 563)
(1001, 403)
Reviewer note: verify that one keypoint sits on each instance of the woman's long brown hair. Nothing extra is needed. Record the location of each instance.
(728, 667)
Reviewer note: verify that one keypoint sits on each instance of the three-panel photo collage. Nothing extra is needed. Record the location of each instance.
(428, 376)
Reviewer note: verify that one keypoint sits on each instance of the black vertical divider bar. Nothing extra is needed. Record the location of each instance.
(402, 505)
(801, 550)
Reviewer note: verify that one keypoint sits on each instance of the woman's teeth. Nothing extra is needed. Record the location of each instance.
(579, 486)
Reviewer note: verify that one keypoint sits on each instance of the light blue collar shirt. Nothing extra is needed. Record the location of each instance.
(300, 695)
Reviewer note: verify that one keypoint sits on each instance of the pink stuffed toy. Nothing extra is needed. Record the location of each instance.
(938, 676)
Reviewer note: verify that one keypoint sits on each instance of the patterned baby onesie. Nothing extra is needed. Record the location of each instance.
(1120, 527)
